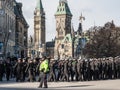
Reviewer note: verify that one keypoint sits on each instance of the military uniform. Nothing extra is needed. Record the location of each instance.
(88, 70)
(59, 70)
(31, 70)
(18, 70)
(65, 72)
(24, 64)
(52, 76)
(8, 68)
(79, 70)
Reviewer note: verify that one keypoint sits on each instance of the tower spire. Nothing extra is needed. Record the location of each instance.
(80, 24)
(39, 5)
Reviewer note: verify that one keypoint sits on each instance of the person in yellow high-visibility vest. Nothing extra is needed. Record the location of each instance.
(44, 69)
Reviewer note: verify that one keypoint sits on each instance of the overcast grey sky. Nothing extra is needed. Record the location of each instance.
(95, 11)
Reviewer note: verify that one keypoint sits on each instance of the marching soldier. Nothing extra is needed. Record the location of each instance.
(35, 63)
(52, 76)
(18, 70)
(79, 70)
(100, 66)
(84, 70)
(88, 70)
(65, 72)
(92, 69)
(31, 71)
(24, 64)
(59, 71)
(96, 70)
(74, 70)
(8, 68)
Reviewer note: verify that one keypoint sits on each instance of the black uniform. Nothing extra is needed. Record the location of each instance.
(18, 71)
(24, 66)
(31, 71)
(8, 68)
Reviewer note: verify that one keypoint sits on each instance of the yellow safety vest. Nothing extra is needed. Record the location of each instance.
(44, 66)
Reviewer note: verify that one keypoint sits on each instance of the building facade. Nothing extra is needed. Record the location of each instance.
(7, 28)
(13, 29)
(21, 32)
(39, 30)
(67, 43)
(63, 27)
(50, 48)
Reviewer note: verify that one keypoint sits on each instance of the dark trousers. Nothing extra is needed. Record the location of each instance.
(52, 76)
(65, 76)
(43, 80)
(1, 75)
(31, 76)
(7, 75)
(18, 76)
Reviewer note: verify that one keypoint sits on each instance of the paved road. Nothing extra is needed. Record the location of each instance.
(88, 85)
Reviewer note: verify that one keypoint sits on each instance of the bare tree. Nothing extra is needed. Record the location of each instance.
(105, 42)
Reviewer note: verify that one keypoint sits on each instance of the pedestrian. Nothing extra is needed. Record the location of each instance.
(44, 69)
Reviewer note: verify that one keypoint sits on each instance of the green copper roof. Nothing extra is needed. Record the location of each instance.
(63, 8)
(68, 37)
(39, 5)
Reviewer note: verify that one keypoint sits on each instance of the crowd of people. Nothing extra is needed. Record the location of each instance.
(61, 70)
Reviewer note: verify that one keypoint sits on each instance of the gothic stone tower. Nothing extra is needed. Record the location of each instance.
(63, 25)
(39, 30)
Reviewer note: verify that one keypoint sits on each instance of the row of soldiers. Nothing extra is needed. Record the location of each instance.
(19, 69)
(62, 70)
(84, 70)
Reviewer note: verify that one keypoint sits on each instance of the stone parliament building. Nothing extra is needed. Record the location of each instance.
(67, 43)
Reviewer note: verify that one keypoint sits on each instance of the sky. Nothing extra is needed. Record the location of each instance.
(96, 12)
